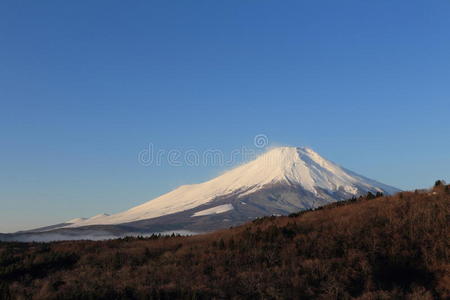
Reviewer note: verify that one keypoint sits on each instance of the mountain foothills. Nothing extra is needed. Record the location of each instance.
(385, 247)
(279, 182)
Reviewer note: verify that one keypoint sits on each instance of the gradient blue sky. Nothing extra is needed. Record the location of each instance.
(85, 86)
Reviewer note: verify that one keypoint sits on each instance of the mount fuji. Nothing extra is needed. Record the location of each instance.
(281, 181)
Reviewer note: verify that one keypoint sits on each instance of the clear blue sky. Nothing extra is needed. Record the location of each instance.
(86, 85)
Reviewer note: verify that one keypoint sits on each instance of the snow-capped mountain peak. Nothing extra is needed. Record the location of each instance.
(293, 166)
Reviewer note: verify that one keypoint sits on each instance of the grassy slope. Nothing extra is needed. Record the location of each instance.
(384, 248)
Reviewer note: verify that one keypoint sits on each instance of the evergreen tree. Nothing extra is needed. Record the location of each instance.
(370, 196)
(438, 183)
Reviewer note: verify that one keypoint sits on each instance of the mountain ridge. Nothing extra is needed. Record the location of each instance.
(281, 181)
(283, 165)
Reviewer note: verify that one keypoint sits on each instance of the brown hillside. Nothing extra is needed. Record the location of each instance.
(383, 248)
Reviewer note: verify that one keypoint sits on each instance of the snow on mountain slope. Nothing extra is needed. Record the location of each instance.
(76, 220)
(286, 165)
(214, 210)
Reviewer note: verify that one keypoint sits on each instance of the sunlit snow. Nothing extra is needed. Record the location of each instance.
(288, 165)
(214, 210)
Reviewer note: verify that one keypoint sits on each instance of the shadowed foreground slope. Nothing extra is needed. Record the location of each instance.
(383, 248)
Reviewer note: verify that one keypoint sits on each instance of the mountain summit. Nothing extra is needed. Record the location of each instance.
(281, 181)
(294, 167)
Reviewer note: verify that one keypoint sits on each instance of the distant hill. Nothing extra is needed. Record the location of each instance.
(389, 247)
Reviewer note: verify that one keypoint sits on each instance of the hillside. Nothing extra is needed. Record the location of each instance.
(368, 248)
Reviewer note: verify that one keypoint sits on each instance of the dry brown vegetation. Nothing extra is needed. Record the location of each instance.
(390, 247)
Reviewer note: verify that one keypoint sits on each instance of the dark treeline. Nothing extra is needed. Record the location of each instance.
(373, 247)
